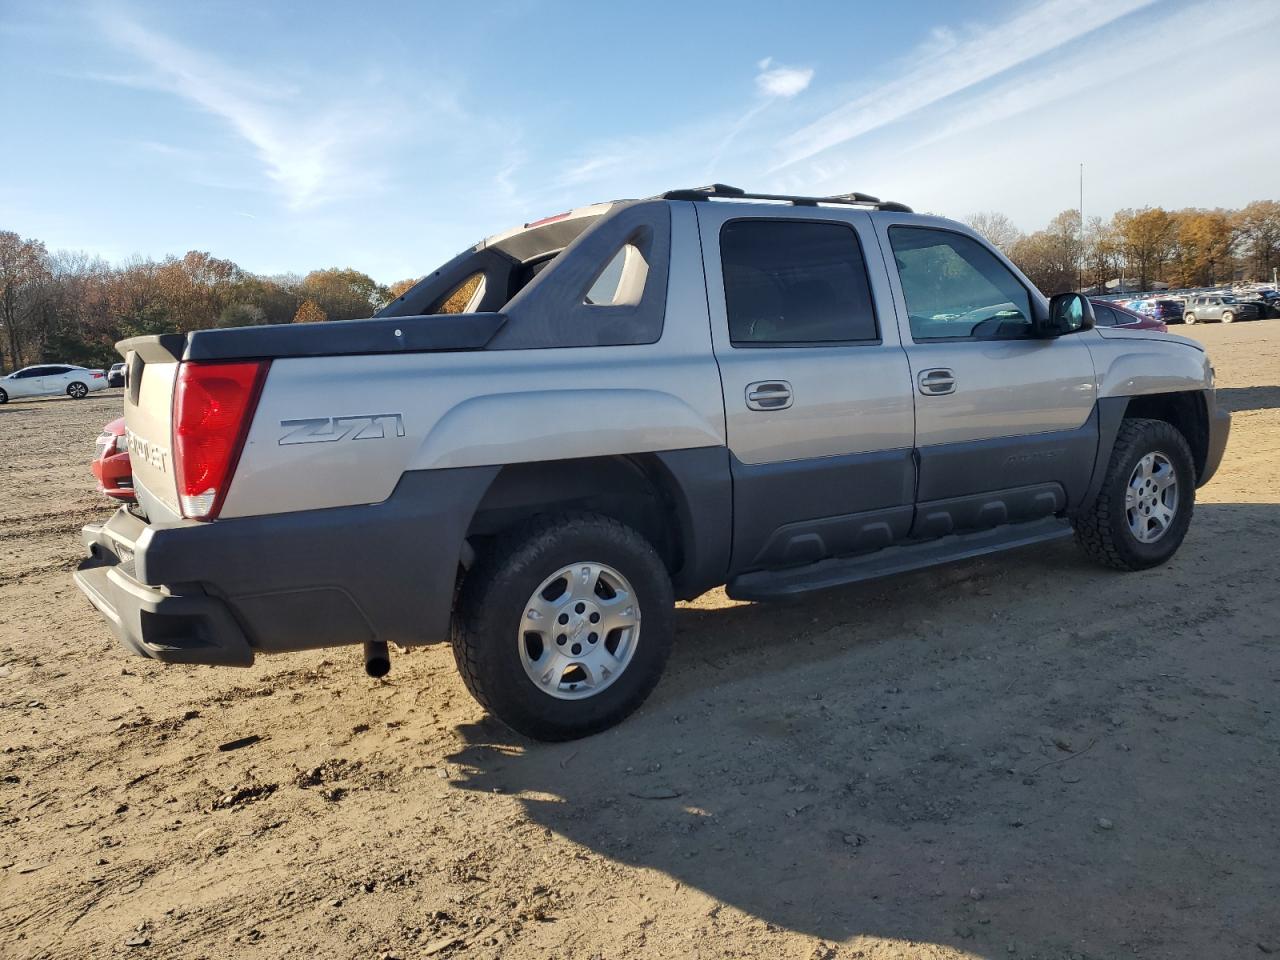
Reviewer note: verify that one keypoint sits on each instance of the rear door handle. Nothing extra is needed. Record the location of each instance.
(937, 382)
(769, 395)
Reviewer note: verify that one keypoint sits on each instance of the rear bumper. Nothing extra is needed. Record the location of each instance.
(151, 622)
(221, 592)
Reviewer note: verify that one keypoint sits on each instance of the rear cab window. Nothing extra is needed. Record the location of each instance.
(795, 283)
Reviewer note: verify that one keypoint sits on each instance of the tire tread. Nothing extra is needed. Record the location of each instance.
(506, 559)
(1096, 529)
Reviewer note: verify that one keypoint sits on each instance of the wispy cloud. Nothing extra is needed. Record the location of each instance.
(1015, 144)
(949, 63)
(1110, 60)
(780, 80)
(310, 156)
(773, 83)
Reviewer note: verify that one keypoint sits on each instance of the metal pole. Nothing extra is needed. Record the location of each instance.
(1080, 254)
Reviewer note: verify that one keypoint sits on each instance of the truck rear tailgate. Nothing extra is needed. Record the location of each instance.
(148, 409)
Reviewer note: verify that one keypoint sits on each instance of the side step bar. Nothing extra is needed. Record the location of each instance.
(839, 571)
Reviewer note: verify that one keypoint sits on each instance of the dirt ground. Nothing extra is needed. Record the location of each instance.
(1026, 756)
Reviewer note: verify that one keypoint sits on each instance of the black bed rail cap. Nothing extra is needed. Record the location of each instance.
(420, 334)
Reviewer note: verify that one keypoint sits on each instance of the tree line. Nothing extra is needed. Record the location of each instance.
(1184, 248)
(71, 307)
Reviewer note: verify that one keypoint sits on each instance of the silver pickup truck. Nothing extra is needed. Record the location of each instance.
(544, 443)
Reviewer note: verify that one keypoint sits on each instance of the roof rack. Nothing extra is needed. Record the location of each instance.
(724, 191)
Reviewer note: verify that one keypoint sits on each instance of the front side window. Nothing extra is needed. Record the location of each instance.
(955, 288)
(795, 282)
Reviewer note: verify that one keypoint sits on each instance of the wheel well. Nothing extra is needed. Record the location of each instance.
(634, 490)
(1185, 411)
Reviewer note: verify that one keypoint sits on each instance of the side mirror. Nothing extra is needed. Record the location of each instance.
(1068, 313)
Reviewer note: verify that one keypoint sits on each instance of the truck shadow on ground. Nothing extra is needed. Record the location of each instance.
(1004, 755)
(1237, 399)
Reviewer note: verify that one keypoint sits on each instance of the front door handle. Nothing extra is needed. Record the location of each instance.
(937, 382)
(769, 395)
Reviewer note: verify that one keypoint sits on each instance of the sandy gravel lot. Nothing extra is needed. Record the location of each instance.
(1020, 757)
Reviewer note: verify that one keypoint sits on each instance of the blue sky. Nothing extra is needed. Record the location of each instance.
(388, 136)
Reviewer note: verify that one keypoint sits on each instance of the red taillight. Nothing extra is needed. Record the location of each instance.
(213, 406)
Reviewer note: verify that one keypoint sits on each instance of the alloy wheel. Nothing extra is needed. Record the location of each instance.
(579, 630)
(1151, 498)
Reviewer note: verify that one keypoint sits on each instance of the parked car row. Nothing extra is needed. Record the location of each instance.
(1108, 314)
(52, 379)
(1223, 307)
(1164, 309)
(1213, 306)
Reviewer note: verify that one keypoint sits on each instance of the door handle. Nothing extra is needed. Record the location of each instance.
(769, 395)
(937, 382)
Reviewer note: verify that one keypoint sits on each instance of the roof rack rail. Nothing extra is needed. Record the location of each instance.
(722, 190)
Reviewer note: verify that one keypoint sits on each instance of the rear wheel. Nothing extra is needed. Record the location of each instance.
(77, 391)
(1188, 318)
(1228, 316)
(1144, 507)
(548, 633)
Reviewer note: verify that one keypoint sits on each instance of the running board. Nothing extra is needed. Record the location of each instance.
(839, 571)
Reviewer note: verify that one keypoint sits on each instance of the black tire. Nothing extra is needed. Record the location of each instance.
(77, 390)
(1103, 531)
(4, 397)
(491, 604)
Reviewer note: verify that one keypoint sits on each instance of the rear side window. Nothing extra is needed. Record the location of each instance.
(1105, 316)
(795, 282)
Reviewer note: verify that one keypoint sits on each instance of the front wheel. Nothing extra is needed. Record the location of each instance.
(4, 397)
(1189, 318)
(77, 391)
(1144, 507)
(548, 631)
(1228, 316)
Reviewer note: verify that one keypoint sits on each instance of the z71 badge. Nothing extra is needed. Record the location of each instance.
(373, 426)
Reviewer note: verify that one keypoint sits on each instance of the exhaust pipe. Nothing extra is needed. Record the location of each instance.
(377, 660)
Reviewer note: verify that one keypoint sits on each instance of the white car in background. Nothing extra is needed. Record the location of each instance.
(50, 379)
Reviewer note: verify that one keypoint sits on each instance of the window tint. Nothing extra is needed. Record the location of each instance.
(461, 297)
(795, 282)
(955, 287)
(29, 372)
(1105, 317)
(621, 282)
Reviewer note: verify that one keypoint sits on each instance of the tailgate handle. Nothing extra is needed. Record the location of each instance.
(769, 395)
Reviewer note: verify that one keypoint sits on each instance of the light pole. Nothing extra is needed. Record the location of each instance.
(1080, 252)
